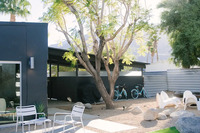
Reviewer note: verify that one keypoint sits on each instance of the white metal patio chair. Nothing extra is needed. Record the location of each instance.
(189, 99)
(74, 118)
(28, 111)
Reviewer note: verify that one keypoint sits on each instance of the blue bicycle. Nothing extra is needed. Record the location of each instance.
(118, 94)
(135, 93)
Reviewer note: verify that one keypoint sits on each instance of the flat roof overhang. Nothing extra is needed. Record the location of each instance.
(55, 56)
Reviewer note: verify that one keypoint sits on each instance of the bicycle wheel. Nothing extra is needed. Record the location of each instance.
(134, 93)
(145, 94)
(125, 94)
(116, 95)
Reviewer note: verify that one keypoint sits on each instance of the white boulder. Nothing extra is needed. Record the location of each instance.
(161, 116)
(88, 106)
(150, 114)
(168, 111)
(137, 110)
(182, 113)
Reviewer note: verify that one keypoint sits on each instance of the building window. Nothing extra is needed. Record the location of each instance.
(10, 90)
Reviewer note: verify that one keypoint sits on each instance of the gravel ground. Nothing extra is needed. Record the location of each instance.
(121, 115)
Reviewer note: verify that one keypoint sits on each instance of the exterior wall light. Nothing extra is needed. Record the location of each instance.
(31, 62)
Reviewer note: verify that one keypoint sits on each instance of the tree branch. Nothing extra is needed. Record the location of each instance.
(80, 24)
(64, 21)
(129, 27)
(123, 50)
(122, 26)
(67, 35)
(102, 10)
(95, 42)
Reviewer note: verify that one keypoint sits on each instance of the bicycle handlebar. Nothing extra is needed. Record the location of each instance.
(122, 86)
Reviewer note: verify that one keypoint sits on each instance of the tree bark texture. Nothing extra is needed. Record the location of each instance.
(12, 17)
(102, 90)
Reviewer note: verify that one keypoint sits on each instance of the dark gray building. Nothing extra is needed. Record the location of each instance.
(23, 65)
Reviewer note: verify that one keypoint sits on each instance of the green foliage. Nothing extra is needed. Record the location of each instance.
(40, 109)
(16, 7)
(66, 69)
(112, 19)
(69, 56)
(55, 12)
(128, 57)
(181, 20)
(153, 38)
(140, 40)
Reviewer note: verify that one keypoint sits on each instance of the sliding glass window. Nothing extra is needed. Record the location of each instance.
(10, 90)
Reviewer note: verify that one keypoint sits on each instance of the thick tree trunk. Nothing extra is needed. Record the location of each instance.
(112, 88)
(157, 55)
(148, 57)
(152, 56)
(113, 79)
(106, 97)
(12, 17)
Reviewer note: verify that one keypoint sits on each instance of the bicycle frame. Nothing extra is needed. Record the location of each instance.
(135, 93)
(140, 92)
(118, 94)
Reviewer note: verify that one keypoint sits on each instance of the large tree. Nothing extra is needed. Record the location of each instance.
(105, 28)
(181, 20)
(15, 7)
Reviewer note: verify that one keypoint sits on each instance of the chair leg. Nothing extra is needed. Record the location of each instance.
(83, 127)
(28, 127)
(49, 126)
(185, 106)
(53, 128)
(73, 126)
(64, 127)
(13, 117)
(16, 127)
(22, 128)
(44, 126)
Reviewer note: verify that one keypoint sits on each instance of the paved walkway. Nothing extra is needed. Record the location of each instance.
(91, 122)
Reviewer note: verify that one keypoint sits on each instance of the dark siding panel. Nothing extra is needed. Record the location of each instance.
(19, 41)
(63, 87)
(13, 48)
(38, 48)
(12, 43)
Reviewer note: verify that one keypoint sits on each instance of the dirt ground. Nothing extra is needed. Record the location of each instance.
(127, 116)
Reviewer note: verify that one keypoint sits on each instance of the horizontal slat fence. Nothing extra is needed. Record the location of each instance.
(155, 82)
(184, 79)
(177, 80)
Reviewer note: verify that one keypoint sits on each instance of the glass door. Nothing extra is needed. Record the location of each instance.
(10, 90)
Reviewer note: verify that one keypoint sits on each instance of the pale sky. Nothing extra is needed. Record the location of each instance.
(56, 37)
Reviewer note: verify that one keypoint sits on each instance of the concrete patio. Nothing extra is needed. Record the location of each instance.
(92, 124)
